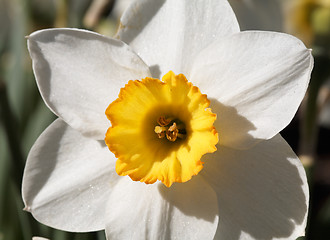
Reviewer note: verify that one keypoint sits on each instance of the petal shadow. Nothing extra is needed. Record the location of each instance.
(193, 198)
(128, 31)
(262, 192)
(233, 129)
(42, 172)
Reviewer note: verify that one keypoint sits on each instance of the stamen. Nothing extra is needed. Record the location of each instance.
(160, 131)
(162, 121)
(172, 133)
(173, 127)
(161, 135)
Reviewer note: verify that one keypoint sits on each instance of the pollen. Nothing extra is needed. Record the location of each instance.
(160, 130)
(171, 131)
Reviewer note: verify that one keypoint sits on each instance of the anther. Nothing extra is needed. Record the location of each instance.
(171, 132)
(160, 131)
(162, 121)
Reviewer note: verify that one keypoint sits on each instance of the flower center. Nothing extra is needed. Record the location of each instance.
(160, 130)
(171, 128)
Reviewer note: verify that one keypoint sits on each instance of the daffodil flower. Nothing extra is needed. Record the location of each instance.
(192, 149)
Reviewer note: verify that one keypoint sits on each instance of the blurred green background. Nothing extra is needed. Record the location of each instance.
(23, 115)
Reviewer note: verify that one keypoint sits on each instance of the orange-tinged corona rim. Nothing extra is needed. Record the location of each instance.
(160, 129)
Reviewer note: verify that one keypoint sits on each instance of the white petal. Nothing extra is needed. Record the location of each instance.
(168, 34)
(183, 211)
(68, 179)
(79, 73)
(256, 81)
(262, 192)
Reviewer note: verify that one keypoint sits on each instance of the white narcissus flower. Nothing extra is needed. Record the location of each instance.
(252, 187)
